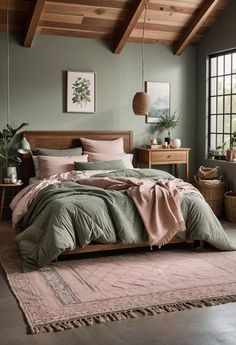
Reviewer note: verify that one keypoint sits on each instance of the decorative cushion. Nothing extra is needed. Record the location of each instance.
(49, 165)
(76, 151)
(105, 146)
(127, 158)
(100, 165)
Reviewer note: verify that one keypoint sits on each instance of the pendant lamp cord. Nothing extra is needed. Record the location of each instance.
(8, 65)
(144, 21)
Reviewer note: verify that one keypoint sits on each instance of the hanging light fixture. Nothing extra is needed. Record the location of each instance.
(141, 100)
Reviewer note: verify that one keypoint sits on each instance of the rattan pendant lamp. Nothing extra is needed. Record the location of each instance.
(141, 100)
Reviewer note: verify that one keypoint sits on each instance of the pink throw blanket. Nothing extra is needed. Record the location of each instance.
(158, 203)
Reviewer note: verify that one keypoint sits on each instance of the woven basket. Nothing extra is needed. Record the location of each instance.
(230, 206)
(208, 173)
(213, 192)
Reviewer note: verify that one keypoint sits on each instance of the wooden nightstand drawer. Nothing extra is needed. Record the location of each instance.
(168, 156)
(148, 157)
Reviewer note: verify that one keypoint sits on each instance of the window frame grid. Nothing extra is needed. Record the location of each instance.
(223, 133)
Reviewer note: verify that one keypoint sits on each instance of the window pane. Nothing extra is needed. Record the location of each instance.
(219, 140)
(234, 104)
(213, 142)
(227, 141)
(227, 84)
(228, 64)
(227, 124)
(213, 86)
(220, 87)
(220, 105)
(233, 123)
(213, 124)
(234, 63)
(227, 104)
(213, 105)
(220, 123)
(213, 66)
(234, 83)
(220, 65)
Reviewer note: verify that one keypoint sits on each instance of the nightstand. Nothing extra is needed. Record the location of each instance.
(14, 187)
(148, 157)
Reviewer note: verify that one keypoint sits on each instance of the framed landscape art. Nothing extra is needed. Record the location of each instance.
(160, 100)
(81, 88)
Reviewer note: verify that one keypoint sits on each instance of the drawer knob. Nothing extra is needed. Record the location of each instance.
(169, 156)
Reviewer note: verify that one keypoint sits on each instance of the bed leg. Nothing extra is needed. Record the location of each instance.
(199, 244)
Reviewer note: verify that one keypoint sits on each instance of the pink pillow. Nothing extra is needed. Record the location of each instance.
(127, 158)
(105, 146)
(49, 165)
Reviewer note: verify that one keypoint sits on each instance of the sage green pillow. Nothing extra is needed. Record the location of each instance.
(76, 151)
(100, 165)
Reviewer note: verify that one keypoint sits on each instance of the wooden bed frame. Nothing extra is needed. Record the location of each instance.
(70, 139)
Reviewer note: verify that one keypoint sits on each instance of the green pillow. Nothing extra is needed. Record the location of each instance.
(100, 165)
(76, 151)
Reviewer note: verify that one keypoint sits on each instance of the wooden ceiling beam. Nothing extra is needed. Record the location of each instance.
(34, 18)
(195, 25)
(129, 25)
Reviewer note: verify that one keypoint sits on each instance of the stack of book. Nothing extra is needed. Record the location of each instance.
(153, 146)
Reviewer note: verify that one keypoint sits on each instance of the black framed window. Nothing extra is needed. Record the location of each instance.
(222, 99)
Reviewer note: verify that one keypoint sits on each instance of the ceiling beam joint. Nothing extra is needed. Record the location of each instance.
(35, 14)
(125, 32)
(195, 25)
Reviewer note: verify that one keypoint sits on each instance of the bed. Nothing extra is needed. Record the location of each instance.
(201, 227)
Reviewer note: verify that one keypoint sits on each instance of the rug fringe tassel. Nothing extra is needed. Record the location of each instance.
(133, 313)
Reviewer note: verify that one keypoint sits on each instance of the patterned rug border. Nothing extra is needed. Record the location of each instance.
(118, 315)
(11, 253)
(131, 314)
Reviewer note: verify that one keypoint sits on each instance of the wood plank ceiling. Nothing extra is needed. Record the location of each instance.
(175, 23)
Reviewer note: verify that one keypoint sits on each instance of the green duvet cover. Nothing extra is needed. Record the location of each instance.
(66, 215)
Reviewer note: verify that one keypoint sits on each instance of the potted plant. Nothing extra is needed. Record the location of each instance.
(8, 160)
(220, 152)
(168, 122)
(231, 152)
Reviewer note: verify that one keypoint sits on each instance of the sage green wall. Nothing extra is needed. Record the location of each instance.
(220, 37)
(37, 86)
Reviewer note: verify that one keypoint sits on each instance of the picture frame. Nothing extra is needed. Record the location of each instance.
(159, 93)
(81, 92)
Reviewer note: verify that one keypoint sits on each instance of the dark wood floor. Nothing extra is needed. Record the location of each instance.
(206, 326)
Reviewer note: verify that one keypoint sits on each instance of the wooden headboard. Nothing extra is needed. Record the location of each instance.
(67, 139)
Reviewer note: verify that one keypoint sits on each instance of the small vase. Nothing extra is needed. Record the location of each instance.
(175, 143)
(167, 140)
(11, 173)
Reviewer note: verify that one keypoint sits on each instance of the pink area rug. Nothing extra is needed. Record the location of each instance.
(76, 293)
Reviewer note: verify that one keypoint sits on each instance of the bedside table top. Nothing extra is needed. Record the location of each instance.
(11, 184)
(164, 149)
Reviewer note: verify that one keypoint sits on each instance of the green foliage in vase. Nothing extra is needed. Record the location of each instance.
(81, 91)
(7, 137)
(168, 122)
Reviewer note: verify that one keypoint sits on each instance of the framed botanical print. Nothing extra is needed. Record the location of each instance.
(81, 88)
(159, 94)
